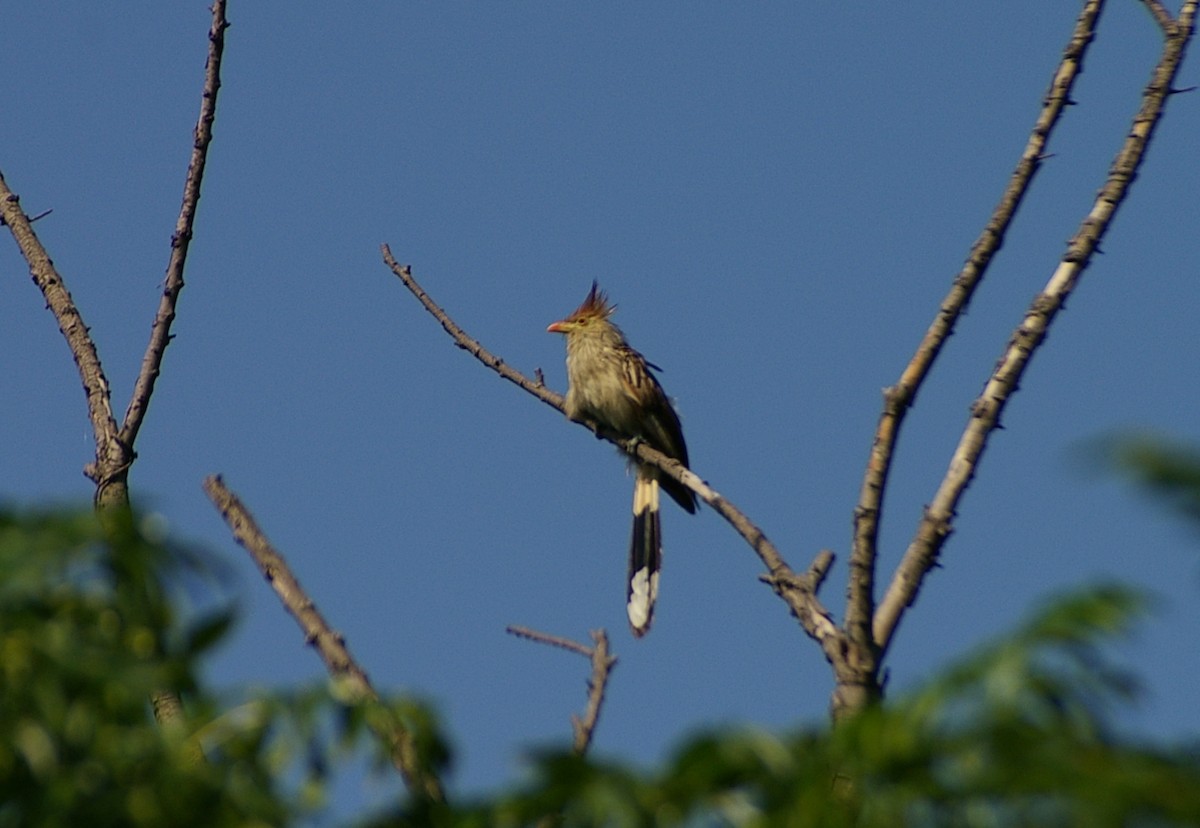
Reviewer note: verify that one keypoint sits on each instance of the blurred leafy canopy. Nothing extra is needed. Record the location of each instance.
(97, 614)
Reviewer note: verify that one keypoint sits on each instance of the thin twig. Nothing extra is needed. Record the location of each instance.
(160, 332)
(899, 397)
(602, 664)
(330, 645)
(465, 341)
(546, 638)
(936, 525)
(813, 617)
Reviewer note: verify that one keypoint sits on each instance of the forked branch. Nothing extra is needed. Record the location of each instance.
(115, 444)
(936, 524)
(899, 397)
(602, 664)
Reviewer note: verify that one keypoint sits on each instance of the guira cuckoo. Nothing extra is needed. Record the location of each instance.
(610, 386)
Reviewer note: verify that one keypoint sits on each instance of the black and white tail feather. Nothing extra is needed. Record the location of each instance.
(645, 555)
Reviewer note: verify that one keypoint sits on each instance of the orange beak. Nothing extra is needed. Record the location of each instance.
(556, 327)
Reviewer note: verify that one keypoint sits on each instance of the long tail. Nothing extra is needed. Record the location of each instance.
(645, 554)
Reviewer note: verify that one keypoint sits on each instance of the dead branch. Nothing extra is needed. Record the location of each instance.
(160, 332)
(329, 644)
(602, 664)
(110, 454)
(115, 445)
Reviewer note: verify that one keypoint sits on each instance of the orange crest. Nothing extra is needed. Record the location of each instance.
(595, 305)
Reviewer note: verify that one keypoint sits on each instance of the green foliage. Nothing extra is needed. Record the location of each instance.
(90, 629)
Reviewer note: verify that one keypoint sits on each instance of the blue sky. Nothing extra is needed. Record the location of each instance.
(777, 195)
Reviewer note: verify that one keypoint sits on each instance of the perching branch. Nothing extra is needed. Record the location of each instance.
(466, 342)
(899, 397)
(936, 525)
(330, 645)
(813, 617)
(160, 332)
(602, 665)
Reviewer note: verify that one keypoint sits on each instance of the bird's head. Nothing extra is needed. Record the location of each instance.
(592, 314)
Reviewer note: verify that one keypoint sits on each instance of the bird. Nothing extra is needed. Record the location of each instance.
(610, 388)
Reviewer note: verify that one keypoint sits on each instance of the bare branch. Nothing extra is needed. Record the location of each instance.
(546, 638)
(936, 525)
(899, 397)
(111, 455)
(330, 645)
(160, 332)
(602, 665)
(464, 341)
